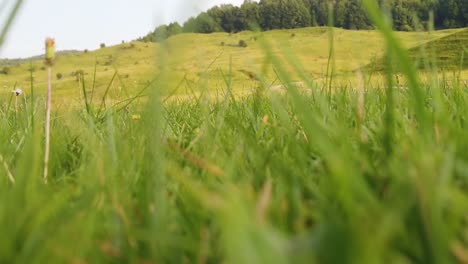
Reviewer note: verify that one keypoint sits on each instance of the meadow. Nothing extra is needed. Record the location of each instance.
(180, 152)
(200, 63)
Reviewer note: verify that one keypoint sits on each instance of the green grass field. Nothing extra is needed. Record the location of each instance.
(197, 62)
(210, 166)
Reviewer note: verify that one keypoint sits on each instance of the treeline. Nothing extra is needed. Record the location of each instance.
(407, 15)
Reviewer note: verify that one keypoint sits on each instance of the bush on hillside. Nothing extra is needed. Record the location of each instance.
(5, 70)
(78, 74)
(242, 43)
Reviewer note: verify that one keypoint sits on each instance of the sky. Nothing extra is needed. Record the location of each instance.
(84, 24)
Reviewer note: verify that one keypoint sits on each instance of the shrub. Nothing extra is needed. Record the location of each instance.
(222, 43)
(59, 76)
(86, 51)
(293, 35)
(406, 27)
(242, 43)
(5, 70)
(78, 74)
(103, 45)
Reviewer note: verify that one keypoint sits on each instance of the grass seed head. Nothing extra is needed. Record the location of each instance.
(50, 51)
(17, 92)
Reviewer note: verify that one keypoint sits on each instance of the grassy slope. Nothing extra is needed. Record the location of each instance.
(445, 53)
(199, 61)
(194, 55)
(448, 52)
(133, 61)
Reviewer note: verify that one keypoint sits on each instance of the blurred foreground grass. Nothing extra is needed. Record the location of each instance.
(297, 178)
(322, 173)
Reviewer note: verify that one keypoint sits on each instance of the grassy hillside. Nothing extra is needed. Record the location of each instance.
(134, 63)
(193, 57)
(194, 62)
(450, 52)
(445, 53)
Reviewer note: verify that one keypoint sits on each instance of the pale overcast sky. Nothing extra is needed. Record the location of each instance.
(84, 24)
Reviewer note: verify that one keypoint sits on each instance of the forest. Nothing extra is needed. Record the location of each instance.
(407, 15)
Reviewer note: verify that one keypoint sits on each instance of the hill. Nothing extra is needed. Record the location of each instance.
(133, 62)
(13, 62)
(204, 61)
(445, 53)
(406, 15)
(450, 52)
(195, 62)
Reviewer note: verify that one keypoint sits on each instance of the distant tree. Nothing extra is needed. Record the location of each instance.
(250, 11)
(453, 13)
(270, 14)
(160, 33)
(295, 14)
(356, 17)
(318, 11)
(174, 29)
(216, 13)
(350, 14)
(232, 19)
(102, 45)
(164, 32)
(339, 13)
(190, 25)
(203, 23)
